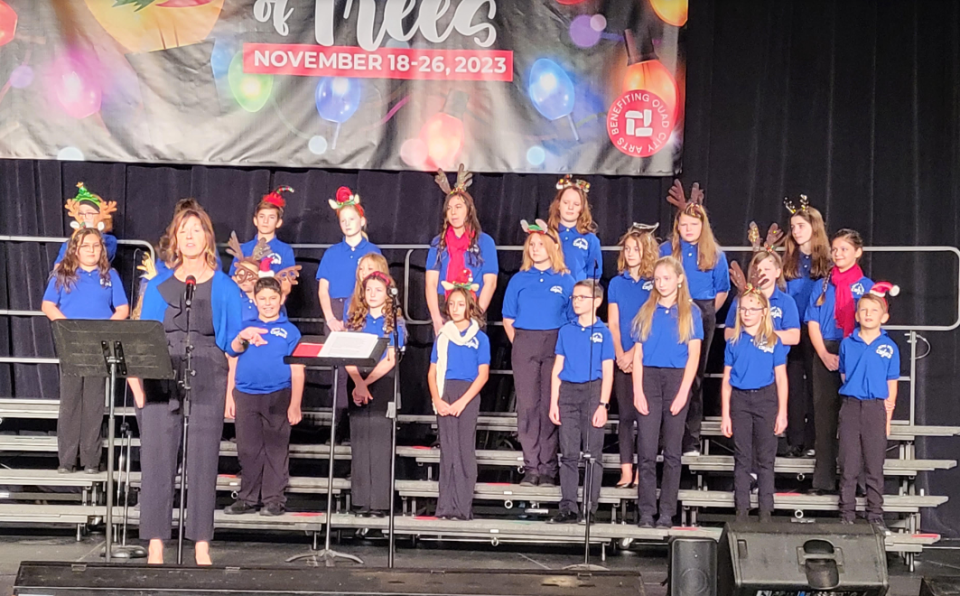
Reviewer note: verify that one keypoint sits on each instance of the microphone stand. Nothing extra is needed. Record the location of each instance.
(392, 414)
(185, 384)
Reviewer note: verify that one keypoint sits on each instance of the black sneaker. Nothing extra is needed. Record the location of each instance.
(795, 452)
(565, 517)
(530, 479)
(766, 517)
(65, 470)
(645, 522)
(548, 481)
(378, 513)
(91, 470)
(239, 508)
(743, 515)
(272, 510)
(664, 524)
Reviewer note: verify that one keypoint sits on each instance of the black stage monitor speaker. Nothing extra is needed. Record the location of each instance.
(79, 579)
(784, 559)
(693, 567)
(940, 586)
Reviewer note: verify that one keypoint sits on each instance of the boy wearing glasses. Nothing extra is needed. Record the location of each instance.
(580, 396)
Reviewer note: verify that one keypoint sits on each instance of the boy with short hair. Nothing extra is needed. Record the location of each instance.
(869, 368)
(265, 402)
(268, 218)
(580, 396)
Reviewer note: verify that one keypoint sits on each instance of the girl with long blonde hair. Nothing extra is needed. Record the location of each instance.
(628, 291)
(754, 400)
(535, 306)
(668, 333)
(705, 266)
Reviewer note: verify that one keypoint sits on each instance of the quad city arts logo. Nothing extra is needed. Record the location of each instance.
(639, 123)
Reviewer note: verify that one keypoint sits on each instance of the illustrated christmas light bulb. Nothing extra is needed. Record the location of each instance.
(337, 100)
(645, 72)
(252, 91)
(552, 92)
(442, 133)
(8, 23)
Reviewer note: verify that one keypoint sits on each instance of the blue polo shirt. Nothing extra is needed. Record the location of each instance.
(581, 253)
(339, 266)
(463, 362)
(90, 297)
(260, 369)
(703, 285)
(868, 367)
(281, 258)
(783, 310)
(584, 349)
(538, 300)
(249, 309)
(824, 314)
(482, 262)
(109, 241)
(751, 366)
(663, 349)
(629, 295)
(374, 326)
(801, 288)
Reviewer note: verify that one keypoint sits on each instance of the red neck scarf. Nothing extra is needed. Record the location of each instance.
(456, 249)
(844, 312)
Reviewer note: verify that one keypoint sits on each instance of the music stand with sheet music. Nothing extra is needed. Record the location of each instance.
(336, 350)
(112, 349)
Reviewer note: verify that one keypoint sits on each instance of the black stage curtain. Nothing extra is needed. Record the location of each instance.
(854, 103)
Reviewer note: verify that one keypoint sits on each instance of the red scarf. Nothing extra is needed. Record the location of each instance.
(456, 249)
(845, 309)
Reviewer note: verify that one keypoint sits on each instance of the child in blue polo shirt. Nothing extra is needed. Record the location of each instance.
(536, 305)
(581, 384)
(371, 396)
(765, 267)
(89, 210)
(705, 268)
(628, 291)
(265, 402)
(830, 317)
(459, 368)
(570, 218)
(870, 368)
(83, 286)
(268, 218)
(754, 399)
(461, 250)
(668, 332)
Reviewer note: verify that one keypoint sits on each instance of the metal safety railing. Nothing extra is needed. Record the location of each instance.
(913, 338)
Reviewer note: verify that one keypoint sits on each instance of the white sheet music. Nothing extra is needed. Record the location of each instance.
(343, 344)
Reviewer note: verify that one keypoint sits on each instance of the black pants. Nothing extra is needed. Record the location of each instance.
(532, 357)
(263, 446)
(691, 434)
(79, 420)
(660, 387)
(863, 448)
(458, 454)
(800, 418)
(754, 416)
(626, 414)
(338, 306)
(826, 410)
(578, 403)
(370, 447)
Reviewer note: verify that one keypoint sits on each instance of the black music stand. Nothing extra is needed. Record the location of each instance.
(115, 349)
(328, 555)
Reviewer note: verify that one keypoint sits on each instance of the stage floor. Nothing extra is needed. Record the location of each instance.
(272, 550)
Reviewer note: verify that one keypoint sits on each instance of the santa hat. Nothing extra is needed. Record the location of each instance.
(265, 270)
(882, 288)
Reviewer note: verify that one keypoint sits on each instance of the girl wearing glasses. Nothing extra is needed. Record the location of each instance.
(754, 399)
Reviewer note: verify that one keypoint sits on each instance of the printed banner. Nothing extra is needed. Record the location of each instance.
(548, 86)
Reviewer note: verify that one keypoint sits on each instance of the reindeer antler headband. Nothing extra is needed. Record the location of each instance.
(804, 205)
(774, 237)
(464, 180)
(103, 220)
(677, 198)
(740, 281)
(569, 181)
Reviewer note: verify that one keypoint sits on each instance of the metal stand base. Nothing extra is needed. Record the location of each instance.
(585, 567)
(125, 552)
(328, 556)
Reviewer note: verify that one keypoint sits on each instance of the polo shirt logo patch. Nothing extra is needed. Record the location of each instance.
(775, 312)
(885, 351)
(473, 343)
(557, 289)
(766, 348)
(597, 338)
(648, 285)
(279, 332)
(106, 283)
(581, 243)
(275, 259)
(857, 289)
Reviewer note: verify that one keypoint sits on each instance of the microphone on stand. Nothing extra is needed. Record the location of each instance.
(191, 282)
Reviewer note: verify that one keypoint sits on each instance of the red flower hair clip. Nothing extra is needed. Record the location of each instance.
(346, 198)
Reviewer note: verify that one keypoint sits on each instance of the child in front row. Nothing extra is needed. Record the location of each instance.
(580, 396)
(265, 402)
(754, 400)
(870, 367)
